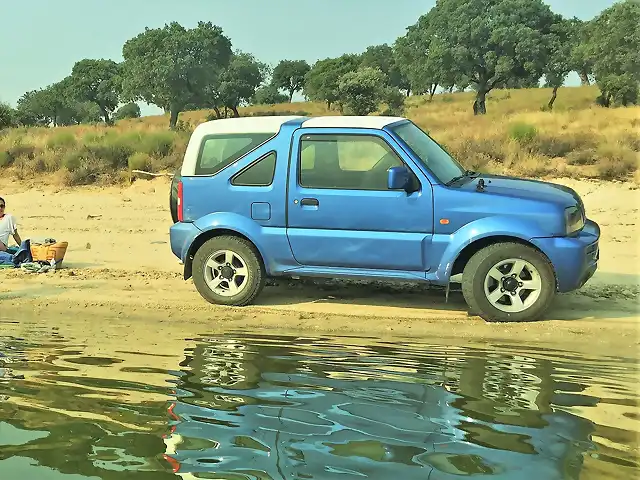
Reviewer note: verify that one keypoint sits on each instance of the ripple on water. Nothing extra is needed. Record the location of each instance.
(242, 406)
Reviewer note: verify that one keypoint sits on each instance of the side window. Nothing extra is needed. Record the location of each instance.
(219, 151)
(259, 174)
(354, 162)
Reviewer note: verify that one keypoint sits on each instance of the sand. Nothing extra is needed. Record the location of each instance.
(119, 268)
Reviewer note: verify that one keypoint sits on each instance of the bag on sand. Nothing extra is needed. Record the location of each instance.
(49, 251)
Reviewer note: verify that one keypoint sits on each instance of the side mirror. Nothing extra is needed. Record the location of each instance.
(398, 178)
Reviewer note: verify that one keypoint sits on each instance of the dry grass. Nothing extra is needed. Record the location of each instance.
(577, 139)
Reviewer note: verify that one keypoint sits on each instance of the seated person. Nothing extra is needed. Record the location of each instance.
(8, 227)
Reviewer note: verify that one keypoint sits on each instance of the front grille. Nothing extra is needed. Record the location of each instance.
(593, 252)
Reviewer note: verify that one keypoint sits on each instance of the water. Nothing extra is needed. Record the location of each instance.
(241, 406)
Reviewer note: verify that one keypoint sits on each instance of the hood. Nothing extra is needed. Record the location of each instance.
(510, 187)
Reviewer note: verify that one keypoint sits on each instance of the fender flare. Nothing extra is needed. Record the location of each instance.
(516, 228)
(232, 223)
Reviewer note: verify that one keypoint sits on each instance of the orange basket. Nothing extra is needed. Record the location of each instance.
(49, 252)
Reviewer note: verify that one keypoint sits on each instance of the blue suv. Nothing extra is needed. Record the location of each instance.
(370, 197)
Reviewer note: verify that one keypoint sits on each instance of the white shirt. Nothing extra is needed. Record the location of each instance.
(8, 226)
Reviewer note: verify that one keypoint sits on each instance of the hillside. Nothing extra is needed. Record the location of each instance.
(577, 139)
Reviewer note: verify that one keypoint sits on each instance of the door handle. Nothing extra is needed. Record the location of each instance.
(310, 201)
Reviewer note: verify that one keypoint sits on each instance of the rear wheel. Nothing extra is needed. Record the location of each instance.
(508, 282)
(228, 270)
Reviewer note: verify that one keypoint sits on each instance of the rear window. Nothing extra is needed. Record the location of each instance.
(219, 151)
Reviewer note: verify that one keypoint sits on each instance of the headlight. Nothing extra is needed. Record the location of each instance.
(573, 219)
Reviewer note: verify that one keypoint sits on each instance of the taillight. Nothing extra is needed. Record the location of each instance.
(180, 202)
(175, 464)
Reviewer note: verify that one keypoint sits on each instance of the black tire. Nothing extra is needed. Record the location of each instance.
(256, 272)
(484, 260)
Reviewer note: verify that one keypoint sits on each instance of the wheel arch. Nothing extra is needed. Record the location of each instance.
(208, 235)
(470, 250)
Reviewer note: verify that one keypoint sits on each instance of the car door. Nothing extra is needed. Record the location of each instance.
(340, 212)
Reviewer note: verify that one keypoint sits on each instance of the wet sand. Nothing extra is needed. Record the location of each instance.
(119, 268)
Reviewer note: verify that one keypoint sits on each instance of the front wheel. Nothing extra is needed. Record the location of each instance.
(508, 282)
(228, 270)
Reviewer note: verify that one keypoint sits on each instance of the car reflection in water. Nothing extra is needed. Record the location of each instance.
(272, 407)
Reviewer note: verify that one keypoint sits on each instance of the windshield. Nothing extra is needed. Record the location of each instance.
(439, 162)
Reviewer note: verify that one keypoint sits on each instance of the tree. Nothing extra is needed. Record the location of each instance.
(268, 95)
(34, 109)
(614, 49)
(54, 105)
(322, 81)
(97, 81)
(129, 110)
(488, 42)
(289, 75)
(171, 66)
(240, 81)
(384, 59)
(422, 63)
(394, 100)
(7, 115)
(83, 112)
(581, 62)
(559, 64)
(412, 53)
(532, 81)
(362, 91)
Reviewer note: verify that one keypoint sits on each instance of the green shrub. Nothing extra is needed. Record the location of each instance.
(5, 159)
(552, 146)
(523, 133)
(61, 140)
(632, 141)
(30, 166)
(92, 137)
(130, 140)
(184, 127)
(582, 157)
(158, 144)
(72, 160)
(616, 162)
(281, 113)
(140, 161)
(89, 171)
(21, 150)
(113, 152)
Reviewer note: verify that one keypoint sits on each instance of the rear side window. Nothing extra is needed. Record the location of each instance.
(219, 151)
(260, 174)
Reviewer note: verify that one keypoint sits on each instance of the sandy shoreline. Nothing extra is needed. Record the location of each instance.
(119, 266)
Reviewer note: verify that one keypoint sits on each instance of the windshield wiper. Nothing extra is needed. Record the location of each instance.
(467, 173)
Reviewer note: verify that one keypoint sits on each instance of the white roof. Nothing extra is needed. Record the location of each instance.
(350, 121)
(263, 124)
(272, 124)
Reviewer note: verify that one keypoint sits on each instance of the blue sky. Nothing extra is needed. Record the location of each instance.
(40, 40)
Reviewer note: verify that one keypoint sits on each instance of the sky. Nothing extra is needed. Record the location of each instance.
(40, 40)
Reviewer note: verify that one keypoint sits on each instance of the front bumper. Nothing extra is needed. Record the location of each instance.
(574, 259)
(181, 236)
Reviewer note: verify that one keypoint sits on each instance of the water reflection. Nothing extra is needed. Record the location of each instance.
(243, 406)
(72, 419)
(271, 407)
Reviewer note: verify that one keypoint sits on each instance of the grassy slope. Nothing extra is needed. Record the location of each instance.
(577, 139)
